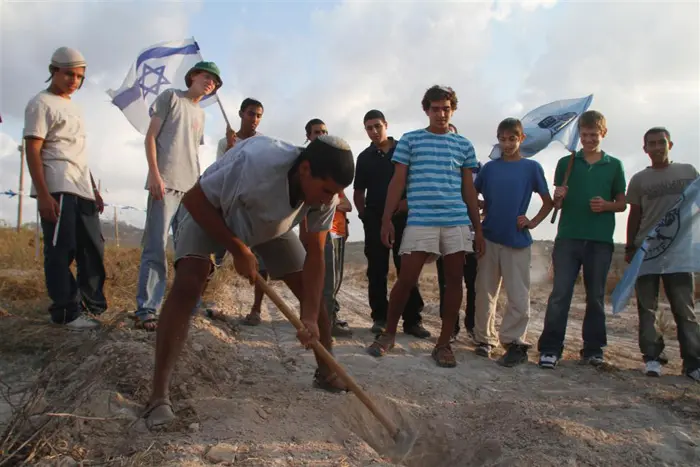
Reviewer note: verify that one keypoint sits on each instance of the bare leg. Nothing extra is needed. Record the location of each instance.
(453, 266)
(253, 318)
(190, 277)
(411, 267)
(295, 284)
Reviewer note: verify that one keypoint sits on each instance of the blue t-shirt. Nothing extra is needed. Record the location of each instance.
(507, 188)
(434, 186)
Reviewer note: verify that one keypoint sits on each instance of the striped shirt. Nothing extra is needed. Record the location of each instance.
(435, 163)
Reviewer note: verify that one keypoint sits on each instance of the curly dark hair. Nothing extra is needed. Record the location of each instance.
(439, 93)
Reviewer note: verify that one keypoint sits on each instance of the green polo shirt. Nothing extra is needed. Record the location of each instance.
(605, 178)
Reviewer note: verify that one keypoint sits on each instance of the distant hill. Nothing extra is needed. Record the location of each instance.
(129, 235)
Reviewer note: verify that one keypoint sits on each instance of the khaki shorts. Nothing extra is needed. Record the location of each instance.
(282, 256)
(437, 241)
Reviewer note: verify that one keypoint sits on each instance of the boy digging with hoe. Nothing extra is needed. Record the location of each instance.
(252, 198)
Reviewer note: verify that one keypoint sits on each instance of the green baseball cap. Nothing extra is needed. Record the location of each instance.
(209, 67)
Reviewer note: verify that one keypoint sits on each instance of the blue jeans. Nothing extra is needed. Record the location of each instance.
(568, 257)
(153, 271)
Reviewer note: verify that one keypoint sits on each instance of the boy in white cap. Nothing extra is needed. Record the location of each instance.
(68, 200)
(247, 203)
(172, 151)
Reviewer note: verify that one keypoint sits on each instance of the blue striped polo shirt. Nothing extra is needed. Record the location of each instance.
(434, 186)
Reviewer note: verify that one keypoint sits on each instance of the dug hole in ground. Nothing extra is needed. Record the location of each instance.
(243, 395)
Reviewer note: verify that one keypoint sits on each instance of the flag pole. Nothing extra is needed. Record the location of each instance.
(223, 112)
(218, 99)
(569, 168)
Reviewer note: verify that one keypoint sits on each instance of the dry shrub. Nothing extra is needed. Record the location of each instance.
(63, 376)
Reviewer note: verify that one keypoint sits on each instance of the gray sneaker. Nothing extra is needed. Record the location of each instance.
(694, 375)
(82, 323)
(653, 368)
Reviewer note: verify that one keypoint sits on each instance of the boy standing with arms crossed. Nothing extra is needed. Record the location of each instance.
(67, 198)
(172, 151)
(589, 199)
(650, 194)
(508, 240)
(434, 166)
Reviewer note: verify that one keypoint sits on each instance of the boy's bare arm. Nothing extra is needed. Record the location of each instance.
(547, 206)
(633, 223)
(395, 190)
(344, 205)
(598, 204)
(358, 196)
(36, 167)
(155, 182)
(313, 276)
(619, 205)
(471, 199)
(209, 218)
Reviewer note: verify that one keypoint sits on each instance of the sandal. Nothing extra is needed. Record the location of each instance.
(159, 413)
(331, 383)
(149, 322)
(252, 319)
(443, 356)
(381, 345)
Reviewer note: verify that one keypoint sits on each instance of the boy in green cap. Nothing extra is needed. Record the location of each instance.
(172, 151)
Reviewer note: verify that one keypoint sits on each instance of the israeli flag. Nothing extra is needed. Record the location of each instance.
(556, 121)
(672, 246)
(159, 67)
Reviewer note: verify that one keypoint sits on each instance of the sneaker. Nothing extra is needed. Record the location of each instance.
(82, 323)
(694, 375)
(483, 350)
(653, 368)
(417, 330)
(515, 355)
(378, 327)
(341, 330)
(548, 361)
(593, 360)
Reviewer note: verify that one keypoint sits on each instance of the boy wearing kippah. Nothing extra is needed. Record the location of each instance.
(248, 203)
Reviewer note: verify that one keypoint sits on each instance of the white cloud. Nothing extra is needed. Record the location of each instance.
(503, 58)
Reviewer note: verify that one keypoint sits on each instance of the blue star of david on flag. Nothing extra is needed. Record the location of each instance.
(156, 69)
(160, 79)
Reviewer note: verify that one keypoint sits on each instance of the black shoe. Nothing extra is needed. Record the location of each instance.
(483, 350)
(515, 355)
(595, 359)
(378, 327)
(417, 330)
(341, 330)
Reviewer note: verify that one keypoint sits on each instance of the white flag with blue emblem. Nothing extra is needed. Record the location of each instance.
(672, 246)
(556, 121)
(157, 68)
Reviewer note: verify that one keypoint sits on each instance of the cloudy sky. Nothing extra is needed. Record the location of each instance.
(337, 59)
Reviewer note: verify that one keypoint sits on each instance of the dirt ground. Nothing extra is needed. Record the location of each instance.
(244, 395)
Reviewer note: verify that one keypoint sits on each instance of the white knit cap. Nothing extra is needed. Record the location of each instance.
(65, 57)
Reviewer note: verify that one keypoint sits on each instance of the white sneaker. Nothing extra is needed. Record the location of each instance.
(653, 368)
(82, 323)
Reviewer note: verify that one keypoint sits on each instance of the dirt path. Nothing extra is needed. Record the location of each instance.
(252, 390)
